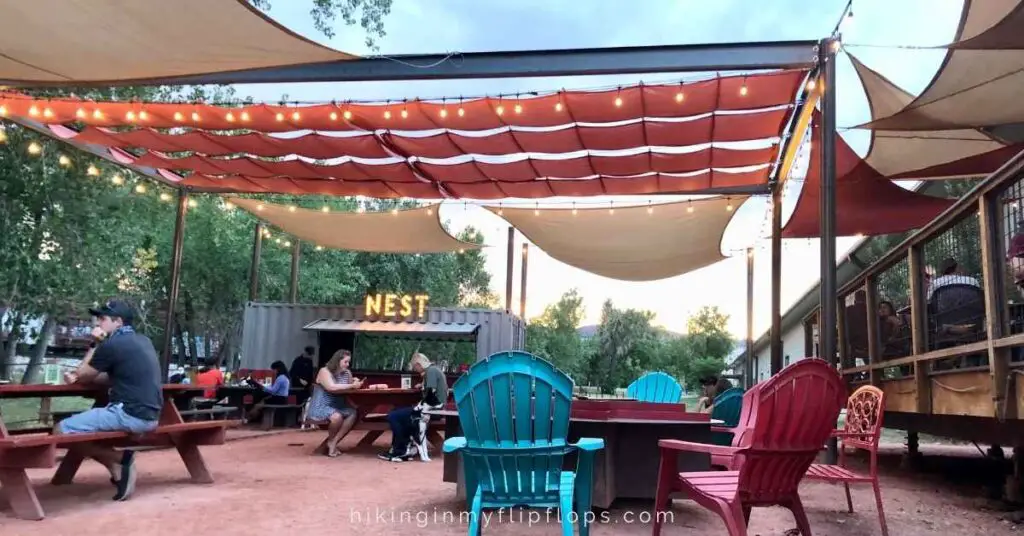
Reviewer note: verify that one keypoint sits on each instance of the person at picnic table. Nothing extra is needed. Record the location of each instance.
(210, 376)
(400, 419)
(302, 372)
(127, 362)
(277, 393)
(950, 275)
(712, 386)
(326, 404)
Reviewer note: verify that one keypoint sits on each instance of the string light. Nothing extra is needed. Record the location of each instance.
(47, 113)
(536, 210)
(3, 135)
(443, 113)
(405, 113)
(728, 207)
(228, 205)
(277, 240)
(143, 115)
(33, 111)
(334, 116)
(117, 179)
(178, 117)
(79, 113)
(430, 212)
(97, 114)
(574, 211)
(3, 111)
(192, 203)
(461, 112)
(230, 117)
(689, 207)
(618, 100)
(34, 148)
(259, 206)
(743, 88)
(558, 106)
(296, 116)
(501, 210)
(680, 96)
(319, 248)
(93, 170)
(291, 208)
(245, 116)
(287, 243)
(394, 211)
(140, 188)
(611, 207)
(195, 117)
(387, 114)
(325, 209)
(500, 110)
(347, 114)
(64, 160)
(650, 209)
(279, 117)
(130, 116)
(461, 251)
(811, 84)
(164, 196)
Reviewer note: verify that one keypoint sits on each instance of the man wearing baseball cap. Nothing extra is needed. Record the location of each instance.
(127, 362)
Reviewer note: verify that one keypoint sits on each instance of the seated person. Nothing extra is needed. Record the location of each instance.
(127, 362)
(277, 393)
(326, 405)
(950, 275)
(711, 386)
(400, 419)
(212, 377)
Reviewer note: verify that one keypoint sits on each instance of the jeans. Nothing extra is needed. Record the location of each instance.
(400, 420)
(110, 418)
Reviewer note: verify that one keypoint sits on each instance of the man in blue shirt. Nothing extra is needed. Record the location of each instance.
(127, 362)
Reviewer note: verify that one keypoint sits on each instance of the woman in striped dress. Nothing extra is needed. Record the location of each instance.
(327, 402)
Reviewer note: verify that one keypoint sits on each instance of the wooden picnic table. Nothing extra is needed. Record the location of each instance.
(627, 466)
(372, 406)
(39, 450)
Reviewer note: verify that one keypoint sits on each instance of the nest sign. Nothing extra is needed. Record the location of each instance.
(396, 305)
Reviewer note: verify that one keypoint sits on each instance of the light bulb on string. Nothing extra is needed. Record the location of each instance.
(347, 114)
(64, 160)
(689, 207)
(291, 208)
(47, 113)
(228, 205)
(97, 114)
(387, 114)
(743, 88)
(296, 116)
(140, 188)
(178, 116)
(611, 208)
(679, 96)
(319, 248)
(277, 240)
(287, 243)
(259, 206)
(195, 117)
(650, 209)
(728, 207)
(518, 108)
(33, 111)
(79, 113)
(129, 116)
(143, 115)
(574, 211)
(192, 203)
(230, 117)
(334, 116)
(618, 101)
(536, 210)
(811, 84)
(92, 170)
(394, 211)
(117, 179)
(558, 106)
(325, 209)
(279, 117)
(443, 113)
(501, 210)
(430, 212)
(164, 196)
(3, 111)
(245, 116)
(405, 113)
(34, 148)
(500, 110)
(3, 135)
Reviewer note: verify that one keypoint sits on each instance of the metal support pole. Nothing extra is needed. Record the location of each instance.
(522, 289)
(748, 377)
(254, 268)
(827, 329)
(172, 291)
(776, 329)
(293, 287)
(509, 267)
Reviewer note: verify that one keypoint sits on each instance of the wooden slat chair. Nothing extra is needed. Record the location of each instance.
(727, 408)
(655, 387)
(790, 418)
(863, 427)
(514, 411)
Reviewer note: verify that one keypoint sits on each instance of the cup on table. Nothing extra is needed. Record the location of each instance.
(406, 381)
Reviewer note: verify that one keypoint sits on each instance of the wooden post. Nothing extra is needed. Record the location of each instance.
(510, 267)
(874, 334)
(749, 379)
(776, 329)
(254, 267)
(522, 289)
(919, 329)
(177, 245)
(993, 271)
(293, 287)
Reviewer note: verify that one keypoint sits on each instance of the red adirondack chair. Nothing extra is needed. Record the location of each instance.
(863, 427)
(792, 416)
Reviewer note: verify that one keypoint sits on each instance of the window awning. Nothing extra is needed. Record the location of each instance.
(409, 330)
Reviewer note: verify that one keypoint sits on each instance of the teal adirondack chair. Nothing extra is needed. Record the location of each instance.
(655, 387)
(514, 410)
(727, 407)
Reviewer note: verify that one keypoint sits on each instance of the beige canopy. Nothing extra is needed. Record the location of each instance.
(406, 231)
(914, 154)
(631, 244)
(93, 41)
(979, 82)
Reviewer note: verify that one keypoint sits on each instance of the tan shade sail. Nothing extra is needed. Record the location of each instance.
(978, 84)
(406, 231)
(630, 244)
(93, 41)
(917, 154)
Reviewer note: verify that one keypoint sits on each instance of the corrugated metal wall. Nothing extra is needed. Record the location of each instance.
(272, 331)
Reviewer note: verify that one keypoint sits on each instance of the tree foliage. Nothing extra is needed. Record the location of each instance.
(369, 13)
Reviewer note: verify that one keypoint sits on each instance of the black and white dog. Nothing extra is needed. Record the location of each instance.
(420, 421)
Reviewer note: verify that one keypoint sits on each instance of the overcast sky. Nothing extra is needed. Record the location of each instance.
(439, 26)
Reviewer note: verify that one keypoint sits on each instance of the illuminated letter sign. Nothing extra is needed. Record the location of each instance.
(396, 305)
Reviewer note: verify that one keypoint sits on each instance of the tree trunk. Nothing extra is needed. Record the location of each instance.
(180, 335)
(11, 351)
(190, 325)
(208, 347)
(39, 352)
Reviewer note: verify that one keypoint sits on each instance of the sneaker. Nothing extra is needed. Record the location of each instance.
(388, 456)
(126, 485)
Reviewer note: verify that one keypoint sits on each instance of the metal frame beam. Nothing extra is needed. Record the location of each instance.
(506, 64)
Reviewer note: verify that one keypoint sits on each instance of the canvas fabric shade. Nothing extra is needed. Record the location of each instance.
(630, 244)
(979, 82)
(94, 41)
(706, 136)
(408, 231)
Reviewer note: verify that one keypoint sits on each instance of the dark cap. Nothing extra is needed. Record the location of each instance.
(115, 309)
(708, 380)
(947, 266)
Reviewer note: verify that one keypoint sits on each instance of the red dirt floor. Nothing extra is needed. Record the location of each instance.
(272, 485)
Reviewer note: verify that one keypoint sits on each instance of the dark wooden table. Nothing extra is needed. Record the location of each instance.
(627, 466)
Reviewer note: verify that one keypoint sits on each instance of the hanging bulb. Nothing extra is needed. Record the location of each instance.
(287, 243)
(192, 203)
(117, 179)
(334, 116)
(79, 113)
(97, 114)
(325, 209)
(64, 160)
(260, 207)
(430, 212)
(245, 116)
(130, 116)
(680, 96)
(461, 112)
(558, 106)
(47, 113)
(387, 114)
(443, 113)
(650, 209)
(195, 117)
(618, 102)
(574, 211)
(164, 196)
(228, 205)
(3, 111)
(728, 208)
(296, 116)
(743, 88)
(178, 116)
(140, 188)
(93, 170)
(34, 148)
(611, 210)
(143, 115)
(230, 117)
(519, 108)
(319, 248)
(394, 211)
(689, 208)
(291, 208)
(279, 117)
(347, 114)
(405, 113)
(811, 84)
(500, 110)
(3, 135)
(33, 111)
(536, 210)
(277, 240)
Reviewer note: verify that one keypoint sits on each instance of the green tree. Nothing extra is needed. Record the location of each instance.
(553, 335)
(370, 14)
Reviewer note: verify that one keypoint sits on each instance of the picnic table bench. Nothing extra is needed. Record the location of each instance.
(372, 406)
(34, 449)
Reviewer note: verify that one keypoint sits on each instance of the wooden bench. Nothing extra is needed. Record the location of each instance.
(375, 424)
(38, 449)
(216, 412)
(270, 413)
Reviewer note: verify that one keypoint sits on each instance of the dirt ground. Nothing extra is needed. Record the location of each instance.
(272, 485)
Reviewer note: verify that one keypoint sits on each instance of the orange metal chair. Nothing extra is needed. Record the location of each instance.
(863, 427)
(791, 417)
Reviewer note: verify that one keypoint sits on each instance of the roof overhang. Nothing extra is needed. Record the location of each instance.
(399, 329)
